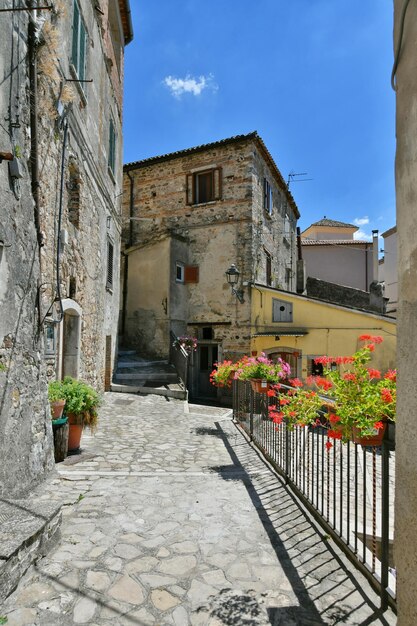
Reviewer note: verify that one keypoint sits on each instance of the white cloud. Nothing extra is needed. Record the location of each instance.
(194, 86)
(361, 221)
(360, 235)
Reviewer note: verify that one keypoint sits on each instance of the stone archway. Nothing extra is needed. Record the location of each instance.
(70, 339)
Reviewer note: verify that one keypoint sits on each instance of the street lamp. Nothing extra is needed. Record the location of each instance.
(232, 275)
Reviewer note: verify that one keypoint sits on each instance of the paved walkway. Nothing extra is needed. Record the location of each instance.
(172, 518)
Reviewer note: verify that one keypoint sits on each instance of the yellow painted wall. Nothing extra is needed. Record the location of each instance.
(332, 329)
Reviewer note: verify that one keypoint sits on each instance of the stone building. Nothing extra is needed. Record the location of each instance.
(61, 99)
(187, 216)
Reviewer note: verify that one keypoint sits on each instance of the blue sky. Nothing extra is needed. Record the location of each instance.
(311, 76)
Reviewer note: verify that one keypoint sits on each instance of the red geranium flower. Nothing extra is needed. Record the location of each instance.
(374, 373)
(334, 434)
(329, 445)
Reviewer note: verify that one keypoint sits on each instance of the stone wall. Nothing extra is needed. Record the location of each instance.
(26, 450)
(90, 208)
(372, 300)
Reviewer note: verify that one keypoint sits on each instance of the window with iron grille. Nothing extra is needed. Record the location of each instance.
(112, 146)
(204, 186)
(110, 259)
(79, 43)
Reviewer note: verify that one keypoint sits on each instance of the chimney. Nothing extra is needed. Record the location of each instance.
(375, 251)
(301, 266)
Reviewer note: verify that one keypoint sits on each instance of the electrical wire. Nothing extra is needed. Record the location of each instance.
(398, 50)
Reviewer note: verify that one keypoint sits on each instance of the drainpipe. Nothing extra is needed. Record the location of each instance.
(301, 266)
(33, 89)
(131, 196)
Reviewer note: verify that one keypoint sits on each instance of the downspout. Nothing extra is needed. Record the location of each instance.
(126, 256)
(33, 89)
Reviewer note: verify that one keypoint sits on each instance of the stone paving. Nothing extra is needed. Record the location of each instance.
(171, 518)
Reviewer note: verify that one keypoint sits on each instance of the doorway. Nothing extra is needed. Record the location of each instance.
(70, 339)
(289, 357)
(207, 356)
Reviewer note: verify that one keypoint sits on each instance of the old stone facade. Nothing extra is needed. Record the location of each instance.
(60, 214)
(187, 217)
(80, 157)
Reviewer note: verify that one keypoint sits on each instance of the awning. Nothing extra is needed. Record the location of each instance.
(282, 332)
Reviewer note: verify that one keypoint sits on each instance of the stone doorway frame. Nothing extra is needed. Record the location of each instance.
(70, 343)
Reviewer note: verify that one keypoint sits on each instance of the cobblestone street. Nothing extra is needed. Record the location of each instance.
(171, 517)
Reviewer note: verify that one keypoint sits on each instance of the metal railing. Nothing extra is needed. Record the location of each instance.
(178, 357)
(348, 489)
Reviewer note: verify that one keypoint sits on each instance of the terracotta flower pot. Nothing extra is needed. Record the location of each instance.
(372, 440)
(259, 385)
(57, 408)
(75, 431)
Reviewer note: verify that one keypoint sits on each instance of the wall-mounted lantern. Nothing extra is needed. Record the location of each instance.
(232, 275)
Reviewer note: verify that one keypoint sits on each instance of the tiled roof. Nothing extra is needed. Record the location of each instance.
(181, 153)
(126, 20)
(326, 222)
(222, 142)
(333, 242)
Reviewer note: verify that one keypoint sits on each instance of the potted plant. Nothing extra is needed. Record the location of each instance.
(188, 343)
(359, 399)
(56, 398)
(82, 402)
(261, 371)
(224, 373)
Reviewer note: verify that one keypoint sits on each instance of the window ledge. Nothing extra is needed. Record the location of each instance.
(78, 85)
(109, 290)
(205, 203)
(111, 174)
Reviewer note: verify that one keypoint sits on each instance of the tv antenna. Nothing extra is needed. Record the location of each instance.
(292, 175)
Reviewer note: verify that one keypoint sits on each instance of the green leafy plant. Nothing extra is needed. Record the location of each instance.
(3, 619)
(222, 376)
(55, 391)
(80, 399)
(359, 399)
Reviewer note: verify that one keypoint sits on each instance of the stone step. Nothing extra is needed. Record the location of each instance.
(168, 391)
(141, 363)
(28, 528)
(145, 376)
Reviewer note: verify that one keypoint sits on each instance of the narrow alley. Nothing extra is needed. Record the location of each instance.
(171, 517)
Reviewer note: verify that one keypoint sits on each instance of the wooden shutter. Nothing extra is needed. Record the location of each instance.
(191, 274)
(217, 176)
(83, 41)
(189, 189)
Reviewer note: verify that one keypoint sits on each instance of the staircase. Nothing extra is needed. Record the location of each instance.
(135, 374)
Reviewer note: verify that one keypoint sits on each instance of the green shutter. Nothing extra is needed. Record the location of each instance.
(75, 35)
(112, 146)
(83, 37)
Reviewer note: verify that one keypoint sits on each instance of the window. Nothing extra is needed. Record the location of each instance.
(79, 44)
(287, 228)
(112, 146)
(281, 311)
(204, 186)
(207, 332)
(268, 200)
(179, 272)
(110, 256)
(268, 269)
(49, 338)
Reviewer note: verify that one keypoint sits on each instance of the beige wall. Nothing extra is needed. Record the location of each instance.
(350, 265)
(147, 320)
(405, 546)
(331, 330)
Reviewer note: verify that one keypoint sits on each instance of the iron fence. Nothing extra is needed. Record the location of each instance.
(178, 357)
(349, 489)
